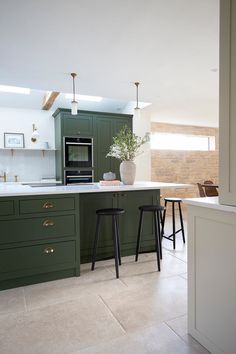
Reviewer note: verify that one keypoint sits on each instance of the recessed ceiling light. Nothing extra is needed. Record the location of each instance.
(84, 97)
(14, 89)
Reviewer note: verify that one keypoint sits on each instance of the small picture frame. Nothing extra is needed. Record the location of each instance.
(14, 140)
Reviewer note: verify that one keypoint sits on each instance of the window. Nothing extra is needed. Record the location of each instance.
(169, 141)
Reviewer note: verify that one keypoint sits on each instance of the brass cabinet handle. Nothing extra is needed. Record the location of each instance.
(48, 250)
(48, 205)
(47, 223)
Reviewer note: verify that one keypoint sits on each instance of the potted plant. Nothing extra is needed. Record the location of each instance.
(126, 146)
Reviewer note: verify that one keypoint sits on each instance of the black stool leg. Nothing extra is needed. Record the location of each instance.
(114, 226)
(95, 242)
(163, 219)
(157, 237)
(181, 222)
(118, 239)
(139, 234)
(173, 223)
(157, 216)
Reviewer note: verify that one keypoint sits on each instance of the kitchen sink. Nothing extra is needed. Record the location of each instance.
(50, 184)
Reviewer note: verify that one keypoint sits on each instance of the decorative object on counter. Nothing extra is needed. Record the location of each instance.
(126, 146)
(112, 183)
(35, 134)
(109, 176)
(137, 110)
(14, 140)
(74, 103)
(46, 145)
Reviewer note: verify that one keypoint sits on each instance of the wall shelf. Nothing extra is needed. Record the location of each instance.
(26, 149)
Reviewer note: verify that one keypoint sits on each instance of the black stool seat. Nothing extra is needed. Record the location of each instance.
(111, 211)
(156, 211)
(151, 208)
(114, 214)
(173, 200)
(171, 237)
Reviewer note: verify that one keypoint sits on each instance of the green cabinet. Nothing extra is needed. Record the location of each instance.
(102, 127)
(39, 239)
(128, 222)
(106, 128)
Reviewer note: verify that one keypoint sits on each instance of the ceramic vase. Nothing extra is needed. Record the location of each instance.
(127, 172)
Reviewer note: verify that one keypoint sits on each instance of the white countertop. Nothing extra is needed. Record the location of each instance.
(210, 202)
(8, 190)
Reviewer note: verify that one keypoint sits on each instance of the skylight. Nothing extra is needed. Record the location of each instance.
(83, 97)
(14, 89)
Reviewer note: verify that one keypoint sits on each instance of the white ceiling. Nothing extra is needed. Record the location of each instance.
(170, 46)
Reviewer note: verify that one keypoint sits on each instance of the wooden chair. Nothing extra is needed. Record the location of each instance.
(201, 190)
(210, 191)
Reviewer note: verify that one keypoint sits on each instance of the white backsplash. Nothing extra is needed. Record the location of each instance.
(27, 165)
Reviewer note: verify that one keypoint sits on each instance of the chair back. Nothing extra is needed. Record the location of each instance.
(210, 191)
(201, 190)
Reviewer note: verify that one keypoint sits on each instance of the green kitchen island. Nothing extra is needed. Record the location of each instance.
(47, 231)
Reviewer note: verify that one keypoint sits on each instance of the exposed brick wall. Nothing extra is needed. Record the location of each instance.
(184, 166)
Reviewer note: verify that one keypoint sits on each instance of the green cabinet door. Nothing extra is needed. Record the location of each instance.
(81, 124)
(118, 124)
(89, 203)
(103, 140)
(131, 201)
(106, 128)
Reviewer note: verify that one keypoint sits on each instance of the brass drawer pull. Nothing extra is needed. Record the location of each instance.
(48, 205)
(48, 250)
(47, 223)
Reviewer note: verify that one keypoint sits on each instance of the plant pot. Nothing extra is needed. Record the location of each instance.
(127, 172)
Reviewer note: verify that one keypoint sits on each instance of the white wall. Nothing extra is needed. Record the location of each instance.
(28, 165)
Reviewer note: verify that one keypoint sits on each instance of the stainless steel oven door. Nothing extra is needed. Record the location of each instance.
(78, 152)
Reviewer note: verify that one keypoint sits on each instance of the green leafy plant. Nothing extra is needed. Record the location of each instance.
(126, 145)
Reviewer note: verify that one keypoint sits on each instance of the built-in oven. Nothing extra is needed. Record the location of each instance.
(78, 176)
(78, 152)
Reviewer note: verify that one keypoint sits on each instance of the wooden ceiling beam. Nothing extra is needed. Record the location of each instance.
(49, 99)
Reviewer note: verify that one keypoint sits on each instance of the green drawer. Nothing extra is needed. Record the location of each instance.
(36, 259)
(6, 208)
(37, 228)
(45, 205)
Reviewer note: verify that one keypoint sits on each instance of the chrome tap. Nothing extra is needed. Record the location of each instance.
(4, 176)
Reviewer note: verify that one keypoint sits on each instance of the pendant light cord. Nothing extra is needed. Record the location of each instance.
(137, 84)
(73, 76)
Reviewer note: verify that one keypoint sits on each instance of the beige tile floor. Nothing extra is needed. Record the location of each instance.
(143, 312)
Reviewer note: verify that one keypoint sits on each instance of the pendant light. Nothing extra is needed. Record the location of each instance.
(74, 103)
(137, 111)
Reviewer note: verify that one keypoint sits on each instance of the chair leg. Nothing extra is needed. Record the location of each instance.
(173, 223)
(95, 242)
(114, 226)
(181, 222)
(157, 238)
(163, 219)
(139, 235)
(157, 216)
(118, 239)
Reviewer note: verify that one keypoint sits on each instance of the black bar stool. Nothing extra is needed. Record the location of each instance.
(172, 236)
(156, 210)
(114, 213)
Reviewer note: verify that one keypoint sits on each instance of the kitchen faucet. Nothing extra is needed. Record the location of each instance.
(4, 176)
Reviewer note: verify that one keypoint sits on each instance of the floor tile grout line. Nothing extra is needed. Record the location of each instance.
(178, 335)
(116, 319)
(25, 302)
